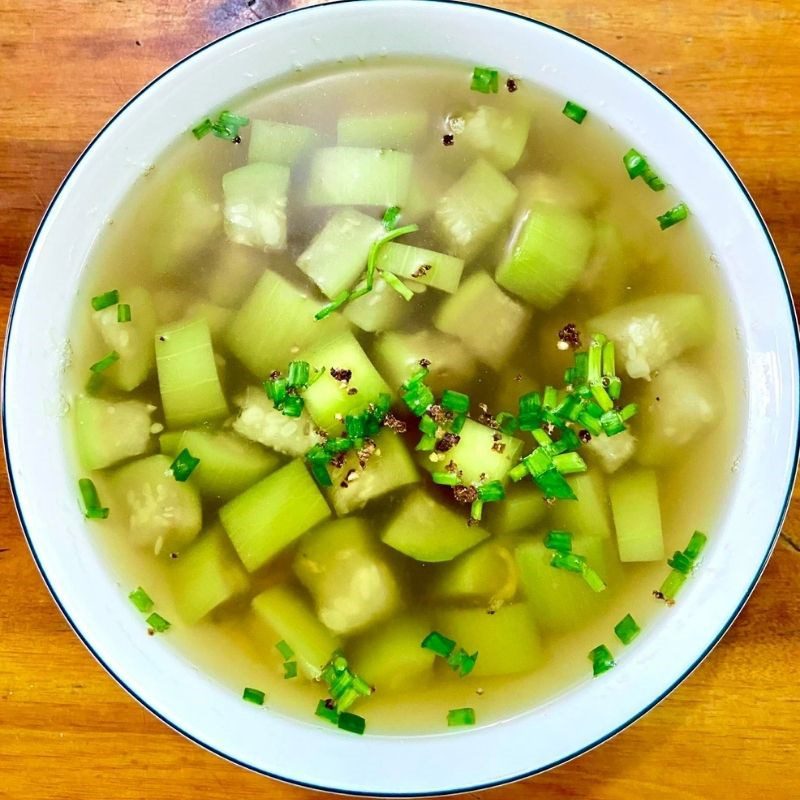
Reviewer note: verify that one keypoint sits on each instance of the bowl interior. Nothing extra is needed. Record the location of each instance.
(43, 481)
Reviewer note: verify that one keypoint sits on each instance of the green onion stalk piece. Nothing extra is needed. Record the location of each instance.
(627, 629)
(141, 600)
(183, 465)
(602, 660)
(574, 112)
(672, 217)
(460, 716)
(485, 80)
(157, 623)
(105, 300)
(255, 696)
(92, 507)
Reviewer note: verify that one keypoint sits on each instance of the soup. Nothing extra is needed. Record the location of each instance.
(393, 391)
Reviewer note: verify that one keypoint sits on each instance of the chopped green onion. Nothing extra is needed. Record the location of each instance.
(627, 629)
(395, 283)
(506, 422)
(418, 398)
(141, 600)
(390, 217)
(445, 478)
(696, 545)
(352, 723)
(226, 127)
(123, 312)
(672, 585)
(92, 509)
(329, 308)
(672, 217)
(485, 80)
(460, 716)
(289, 669)
(317, 460)
(602, 660)
(284, 649)
(229, 119)
(653, 181)
(438, 644)
(491, 492)
(183, 465)
(569, 463)
(255, 696)
(554, 485)
(204, 128)
(375, 247)
(542, 437)
(574, 112)
(104, 363)
(611, 423)
(462, 662)
(681, 562)
(635, 163)
(550, 397)
(558, 540)
(457, 424)
(568, 561)
(292, 406)
(325, 711)
(427, 425)
(518, 472)
(476, 510)
(298, 374)
(158, 623)
(628, 411)
(594, 581)
(105, 300)
(457, 402)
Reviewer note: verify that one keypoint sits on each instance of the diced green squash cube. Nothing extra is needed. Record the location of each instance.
(428, 184)
(261, 422)
(548, 255)
(236, 270)
(653, 330)
(570, 189)
(344, 567)
(106, 433)
(426, 530)
(359, 176)
(169, 304)
(393, 131)
(397, 356)
(473, 209)
(507, 642)
(187, 374)
(391, 467)
(478, 455)
(189, 216)
(217, 317)
(679, 402)
(273, 513)
(499, 135)
(522, 509)
(275, 323)
(562, 600)
(337, 255)
(168, 442)
(327, 397)
(637, 515)
(159, 512)
(207, 574)
(487, 574)
(279, 142)
(379, 310)
(291, 619)
(255, 205)
(132, 340)
(390, 657)
(611, 452)
(591, 514)
(437, 270)
(228, 464)
(612, 260)
(485, 318)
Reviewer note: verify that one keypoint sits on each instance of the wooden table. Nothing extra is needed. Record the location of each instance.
(68, 731)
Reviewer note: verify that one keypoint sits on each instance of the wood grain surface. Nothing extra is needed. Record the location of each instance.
(67, 730)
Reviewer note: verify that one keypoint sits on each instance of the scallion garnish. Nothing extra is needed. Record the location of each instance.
(183, 465)
(123, 312)
(157, 623)
(92, 508)
(507, 422)
(457, 402)
(226, 126)
(289, 669)
(446, 478)
(105, 300)
(255, 696)
(344, 685)
(298, 374)
(395, 283)
(672, 585)
(568, 561)
(696, 545)
(476, 510)
(105, 362)
(485, 80)
(284, 649)
(683, 564)
(326, 710)
(351, 723)
(635, 163)
(574, 112)
(462, 662)
(627, 629)
(390, 218)
(602, 660)
(375, 248)
(141, 600)
(491, 492)
(439, 644)
(329, 308)
(460, 716)
(558, 540)
(672, 217)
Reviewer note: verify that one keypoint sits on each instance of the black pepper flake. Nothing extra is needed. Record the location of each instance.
(397, 425)
(448, 140)
(440, 415)
(138, 43)
(497, 436)
(447, 442)
(465, 494)
(471, 522)
(485, 418)
(151, 632)
(499, 447)
(424, 363)
(451, 466)
(421, 271)
(330, 704)
(343, 375)
(658, 399)
(518, 378)
(585, 436)
(512, 85)
(275, 374)
(173, 555)
(352, 390)
(366, 452)
(161, 339)
(570, 335)
(237, 139)
(337, 460)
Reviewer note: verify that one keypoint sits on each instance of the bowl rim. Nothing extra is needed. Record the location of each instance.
(500, 781)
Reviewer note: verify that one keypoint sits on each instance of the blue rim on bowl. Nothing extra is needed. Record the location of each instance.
(458, 789)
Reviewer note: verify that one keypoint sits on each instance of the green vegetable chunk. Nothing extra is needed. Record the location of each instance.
(290, 618)
(279, 142)
(187, 374)
(548, 256)
(274, 512)
(591, 515)
(345, 569)
(507, 642)
(496, 134)
(427, 267)
(392, 131)
(637, 515)
(522, 509)
(207, 574)
(381, 309)
(428, 531)
(611, 452)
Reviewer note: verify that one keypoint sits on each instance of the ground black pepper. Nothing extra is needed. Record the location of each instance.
(511, 85)
(343, 375)
(448, 140)
(570, 335)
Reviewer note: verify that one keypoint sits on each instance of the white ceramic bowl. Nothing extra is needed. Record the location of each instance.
(44, 485)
